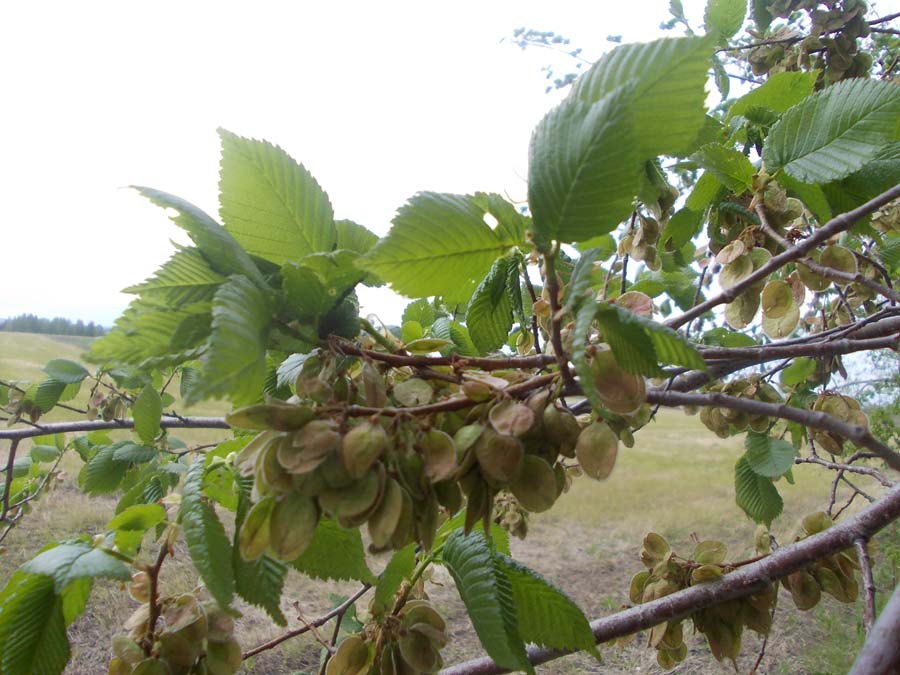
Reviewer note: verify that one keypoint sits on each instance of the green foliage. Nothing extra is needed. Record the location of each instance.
(724, 18)
(441, 245)
(205, 536)
(730, 167)
(487, 594)
(270, 204)
(755, 494)
(147, 412)
(399, 567)
(335, 553)
(768, 457)
(546, 616)
(236, 363)
(834, 132)
(32, 627)
(779, 93)
(490, 314)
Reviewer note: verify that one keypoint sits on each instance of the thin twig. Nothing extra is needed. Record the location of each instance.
(7, 487)
(535, 329)
(325, 618)
(154, 609)
(865, 568)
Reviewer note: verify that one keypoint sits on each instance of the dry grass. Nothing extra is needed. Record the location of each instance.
(675, 481)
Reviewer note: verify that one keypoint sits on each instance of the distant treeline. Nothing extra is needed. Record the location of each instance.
(30, 323)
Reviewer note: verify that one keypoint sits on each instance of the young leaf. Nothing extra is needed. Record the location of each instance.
(207, 543)
(489, 317)
(66, 371)
(131, 524)
(486, 592)
(632, 347)
(768, 457)
(32, 627)
(583, 168)
(546, 615)
(76, 559)
(756, 495)
(399, 567)
(669, 76)
(420, 311)
(185, 278)
(779, 93)
(440, 244)
(579, 288)
(224, 254)
(834, 132)
(102, 474)
(730, 166)
(147, 412)
(271, 204)
(448, 329)
(335, 553)
(723, 18)
(235, 365)
(48, 394)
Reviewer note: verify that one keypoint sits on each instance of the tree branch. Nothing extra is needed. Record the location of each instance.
(865, 568)
(817, 420)
(454, 360)
(832, 227)
(340, 610)
(96, 425)
(880, 654)
(738, 584)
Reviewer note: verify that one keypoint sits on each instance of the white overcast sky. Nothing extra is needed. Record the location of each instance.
(378, 100)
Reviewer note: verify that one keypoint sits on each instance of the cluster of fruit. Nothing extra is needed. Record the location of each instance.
(721, 624)
(834, 574)
(844, 409)
(194, 637)
(407, 642)
(400, 473)
(726, 422)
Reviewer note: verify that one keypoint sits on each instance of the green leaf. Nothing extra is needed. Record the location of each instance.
(440, 244)
(546, 615)
(729, 166)
(667, 345)
(769, 457)
(683, 226)
(670, 76)
(761, 15)
(584, 319)
(579, 288)
(207, 542)
(235, 365)
(220, 249)
(103, 474)
(127, 451)
(448, 329)
(66, 371)
(41, 454)
(354, 237)
(723, 81)
(706, 191)
(727, 338)
(75, 597)
(632, 347)
(583, 168)
(834, 132)
(724, 18)
(486, 592)
(185, 278)
(260, 582)
(420, 311)
(756, 495)
(335, 553)
(799, 371)
(304, 292)
(399, 567)
(811, 195)
(489, 317)
(131, 524)
(48, 394)
(76, 560)
(32, 627)
(889, 252)
(271, 204)
(779, 93)
(147, 412)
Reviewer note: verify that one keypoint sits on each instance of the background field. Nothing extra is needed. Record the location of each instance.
(677, 480)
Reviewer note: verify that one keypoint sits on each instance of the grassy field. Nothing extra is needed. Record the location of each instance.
(676, 481)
